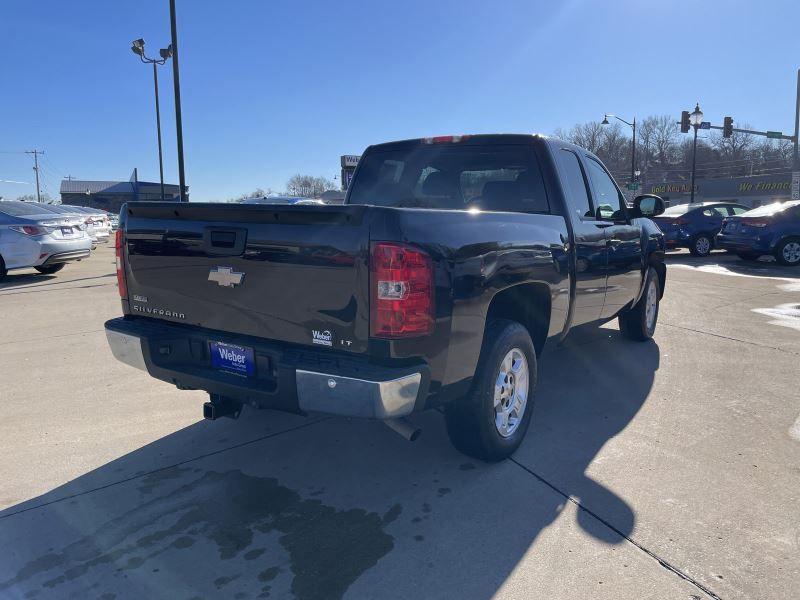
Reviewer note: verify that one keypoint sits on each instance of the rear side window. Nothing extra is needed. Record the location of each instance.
(575, 184)
(737, 210)
(492, 177)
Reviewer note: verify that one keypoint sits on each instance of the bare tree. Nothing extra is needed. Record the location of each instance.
(308, 186)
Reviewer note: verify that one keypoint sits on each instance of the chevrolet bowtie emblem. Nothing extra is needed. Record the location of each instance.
(225, 276)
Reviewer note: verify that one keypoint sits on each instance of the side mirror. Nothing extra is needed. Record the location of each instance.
(647, 205)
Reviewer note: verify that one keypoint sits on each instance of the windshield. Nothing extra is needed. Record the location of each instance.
(770, 209)
(449, 176)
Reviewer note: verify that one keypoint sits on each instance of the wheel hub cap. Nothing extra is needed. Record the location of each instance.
(791, 252)
(703, 245)
(511, 392)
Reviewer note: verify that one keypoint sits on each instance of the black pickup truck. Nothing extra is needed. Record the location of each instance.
(452, 262)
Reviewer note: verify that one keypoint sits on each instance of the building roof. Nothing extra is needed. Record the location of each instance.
(77, 186)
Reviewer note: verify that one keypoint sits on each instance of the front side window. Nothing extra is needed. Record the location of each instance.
(610, 203)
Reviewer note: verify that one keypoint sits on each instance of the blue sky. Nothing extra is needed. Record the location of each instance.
(271, 88)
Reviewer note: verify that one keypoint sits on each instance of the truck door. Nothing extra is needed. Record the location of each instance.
(590, 240)
(623, 240)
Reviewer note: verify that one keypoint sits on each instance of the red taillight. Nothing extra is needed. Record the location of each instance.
(401, 283)
(30, 229)
(119, 250)
(755, 222)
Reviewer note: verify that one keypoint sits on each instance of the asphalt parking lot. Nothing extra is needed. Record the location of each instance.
(682, 482)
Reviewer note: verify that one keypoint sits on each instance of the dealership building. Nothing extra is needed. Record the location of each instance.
(751, 191)
(111, 195)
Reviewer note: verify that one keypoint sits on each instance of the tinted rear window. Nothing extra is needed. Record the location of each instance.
(22, 209)
(450, 176)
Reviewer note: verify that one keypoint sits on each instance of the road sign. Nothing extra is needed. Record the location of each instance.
(775, 135)
(633, 186)
(705, 125)
(796, 185)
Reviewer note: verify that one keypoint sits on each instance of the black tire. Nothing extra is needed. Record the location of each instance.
(471, 420)
(50, 269)
(634, 323)
(781, 252)
(3, 270)
(748, 255)
(705, 243)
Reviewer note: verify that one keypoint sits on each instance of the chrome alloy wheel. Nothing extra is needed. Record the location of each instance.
(703, 245)
(511, 392)
(651, 305)
(791, 252)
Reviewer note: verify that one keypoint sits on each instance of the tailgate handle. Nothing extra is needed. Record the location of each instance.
(224, 241)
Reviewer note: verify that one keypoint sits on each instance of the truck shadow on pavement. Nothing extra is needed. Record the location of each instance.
(279, 505)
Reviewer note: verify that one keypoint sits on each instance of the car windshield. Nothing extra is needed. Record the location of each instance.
(450, 176)
(771, 209)
(22, 209)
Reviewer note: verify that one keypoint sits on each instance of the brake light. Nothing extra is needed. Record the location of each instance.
(445, 139)
(755, 222)
(32, 230)
(119, 250)
(401, 283)
(90, 221)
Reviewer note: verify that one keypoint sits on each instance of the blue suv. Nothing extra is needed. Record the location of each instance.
(771, 229)
(694, 226)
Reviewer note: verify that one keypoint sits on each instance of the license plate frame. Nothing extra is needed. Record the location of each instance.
(232, 358)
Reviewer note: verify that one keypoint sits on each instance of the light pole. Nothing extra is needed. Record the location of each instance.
(138, 49)
(695, 118)
(176, 84)
(633, 142)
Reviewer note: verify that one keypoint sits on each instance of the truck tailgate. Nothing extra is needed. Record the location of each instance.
(295, 274)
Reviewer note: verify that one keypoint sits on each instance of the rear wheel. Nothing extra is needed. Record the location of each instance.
(490, 422)
(639, 323)
(50, 269)
(701, 245)
(788, 252)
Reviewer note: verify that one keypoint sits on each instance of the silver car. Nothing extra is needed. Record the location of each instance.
(76, 218)
(97, 221)
(33, 237)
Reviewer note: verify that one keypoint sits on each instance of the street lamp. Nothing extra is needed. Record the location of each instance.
(633, 142)
(695, 119)
(137, 47)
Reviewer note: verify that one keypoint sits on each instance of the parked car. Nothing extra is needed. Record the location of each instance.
(78, 217)
(438, 283)
(33, 237)
(97, 221)
(770, 229)
(694, 226)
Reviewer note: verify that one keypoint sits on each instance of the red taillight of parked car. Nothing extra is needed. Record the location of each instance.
(401, 283)
(119, 250)
(751, 222)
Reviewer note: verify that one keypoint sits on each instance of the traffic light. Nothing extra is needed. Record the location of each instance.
(727, 127)
(685, 121)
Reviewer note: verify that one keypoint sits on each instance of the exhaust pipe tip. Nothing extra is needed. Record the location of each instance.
(404, 428)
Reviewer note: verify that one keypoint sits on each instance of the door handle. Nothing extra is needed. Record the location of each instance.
(613, 243)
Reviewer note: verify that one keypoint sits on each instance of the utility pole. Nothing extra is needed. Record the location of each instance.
(177, 86)
(36, 154)
(796, 158)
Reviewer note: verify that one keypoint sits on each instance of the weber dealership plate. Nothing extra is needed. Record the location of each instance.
(230, 358)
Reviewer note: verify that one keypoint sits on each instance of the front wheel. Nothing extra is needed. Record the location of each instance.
(490, 422)
(639, 322)
(50, 269)
(788, 252)
(701, 245)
